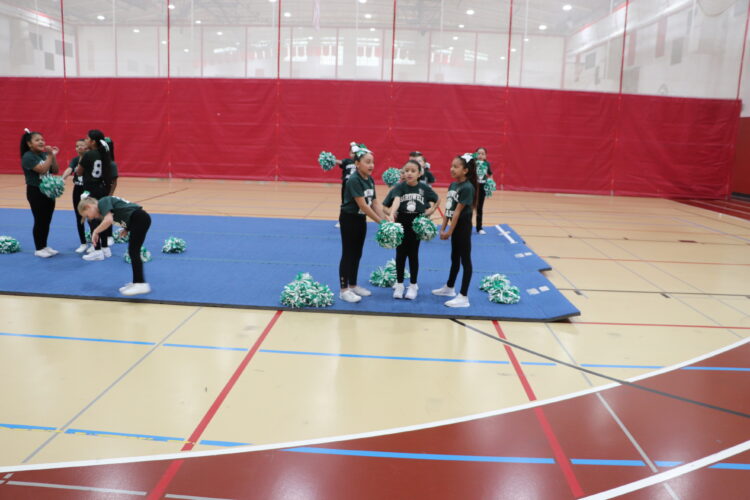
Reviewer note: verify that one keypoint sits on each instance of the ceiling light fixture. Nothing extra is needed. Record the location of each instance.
(567, 7)
(542, 27)
(101, 18)
(470, 12)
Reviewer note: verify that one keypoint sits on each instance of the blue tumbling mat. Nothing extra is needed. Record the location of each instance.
(245, 262)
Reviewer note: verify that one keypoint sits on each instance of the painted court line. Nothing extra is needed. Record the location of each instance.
(375, 356)
(672, 473)
(77, 488)
(560, 457)
(363, 435)
(161, 486)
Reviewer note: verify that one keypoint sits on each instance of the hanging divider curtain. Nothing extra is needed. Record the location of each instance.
(224, 128)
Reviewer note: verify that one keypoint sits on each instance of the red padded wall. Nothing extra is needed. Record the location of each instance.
(541, 140)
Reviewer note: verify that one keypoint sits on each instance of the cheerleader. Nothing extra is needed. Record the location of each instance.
(96, 169)
(77, 190)
(461, 200)
(133, 219)
(482, 176)
(426, 176)
(408, 200)
(37, 160)
(358, 203)
(347, 169)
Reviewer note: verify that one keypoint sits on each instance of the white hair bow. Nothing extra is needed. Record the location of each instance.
(104, 143)
(467, 157)
(27, 131)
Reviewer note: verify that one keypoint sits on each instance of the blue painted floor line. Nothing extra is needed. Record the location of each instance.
(364, 356)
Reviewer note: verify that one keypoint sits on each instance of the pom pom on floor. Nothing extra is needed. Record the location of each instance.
(145, 256)
(174, 245)
(304, 291)
(52, 186)
(8, 244)
(392, 176)
(118, 236)
(424, 228)
(385, 277)
(390, 234)
(500, 290)
(326, 160)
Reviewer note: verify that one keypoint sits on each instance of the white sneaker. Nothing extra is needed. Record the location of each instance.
(446, 291)
(411, 291)
(459, 301)
(349, 296)
(127, 285)
(51, 250)
(43, 253)
(362, 292)
(90, 249)
(398, 291)
(107, 252)
(136, 289)
(481, 231)
(95, 255)
(110, 240)
(338, 224)
(82, 248)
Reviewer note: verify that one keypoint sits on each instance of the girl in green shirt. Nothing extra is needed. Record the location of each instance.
(38, 159)
(358, 203)
(462, 198)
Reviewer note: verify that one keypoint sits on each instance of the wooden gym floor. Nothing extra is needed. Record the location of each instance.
(658, 283)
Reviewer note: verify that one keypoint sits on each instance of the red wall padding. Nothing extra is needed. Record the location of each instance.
(542, 140)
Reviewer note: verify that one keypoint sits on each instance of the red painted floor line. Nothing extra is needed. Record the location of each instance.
(645, 260)
(161, 486)
(660, 324)
(560, 457)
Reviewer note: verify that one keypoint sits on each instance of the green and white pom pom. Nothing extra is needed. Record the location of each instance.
(174, 245)
(385, 277)
(8, 244)
(326, 160)
(119, 238)
(52, 186)
(424, 228)
(508, 295)
(88, 236)
(145, 256)
(306, 292)
(494, 282)
(489, 187)
(481, 169)
(390, 234)
(392, 176)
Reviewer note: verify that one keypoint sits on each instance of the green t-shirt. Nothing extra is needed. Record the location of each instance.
(460, 192)
(414, 199)
(482, 178)
(357, 187)
(29, 161)
(121, 209)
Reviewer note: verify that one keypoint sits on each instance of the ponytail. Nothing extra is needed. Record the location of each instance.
(25, 138)
(104, 152)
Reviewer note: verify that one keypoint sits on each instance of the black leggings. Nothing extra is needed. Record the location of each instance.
(42, 209)
(353, 232)
(461, 255)
(480, 205)
(77, 190)
(99, 192)
(138, 226)
(409, 247)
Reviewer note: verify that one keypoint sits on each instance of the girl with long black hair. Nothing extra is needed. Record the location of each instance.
(37, 160)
